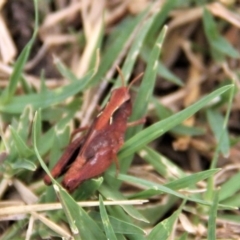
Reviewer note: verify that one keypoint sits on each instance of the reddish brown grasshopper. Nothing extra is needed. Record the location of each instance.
(90, 155)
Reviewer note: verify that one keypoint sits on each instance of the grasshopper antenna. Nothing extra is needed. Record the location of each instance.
(121, 75)
(134, 80)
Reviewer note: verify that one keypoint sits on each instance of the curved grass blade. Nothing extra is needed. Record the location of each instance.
(22, 163)
(165, 189)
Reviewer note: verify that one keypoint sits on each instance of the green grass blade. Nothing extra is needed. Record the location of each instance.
(232, 201)
(162, 112)
(161, 164)
(188, 131)
(71, 210)
(110, 193)
(60, 141)
(135, 50)
(184, 182)
(16, 75)
(190, 181)
(229, 188)
(216, 122)
(161, 69)
(133, 54)
(36, 139)
(25, 121)
(14, 230)
(167, 190)
(105, 220)
(87, 189)
(22, 163)
(65, 71)
(160, 18)
(114, 48)
(217, 42)
(145, 92)
(23, 150)
(147, 85)
(119, 226)
(164, 229)
(211, 185)
(159, 128)
(168, 75)
(212, 218)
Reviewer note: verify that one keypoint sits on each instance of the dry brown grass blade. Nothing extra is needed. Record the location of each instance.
(7, 47)
(26, 194)
(116, 13)
(55, 206)
(193, 93)
(5, 183)
(2, 2)
(182, 17)
(92, 17)
(62, 231)
(187, 224)
(30, 228)
(54, 18)
(219, 10)
(137, 6)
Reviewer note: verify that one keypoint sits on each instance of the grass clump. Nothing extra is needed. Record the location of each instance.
(178, 173)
